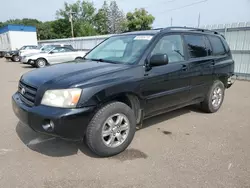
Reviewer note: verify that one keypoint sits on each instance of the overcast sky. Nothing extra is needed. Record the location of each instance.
(183, 12)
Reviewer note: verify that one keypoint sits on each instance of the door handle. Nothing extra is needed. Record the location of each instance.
(212, 63)
(184, 67)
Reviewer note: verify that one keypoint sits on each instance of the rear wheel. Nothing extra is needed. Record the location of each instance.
(111, 129)
(214, 98)
(40, 63)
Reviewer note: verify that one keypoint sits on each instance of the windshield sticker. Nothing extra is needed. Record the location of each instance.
(143, 37)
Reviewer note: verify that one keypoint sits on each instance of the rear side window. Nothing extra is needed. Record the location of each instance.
(196, 46)
(217, 45)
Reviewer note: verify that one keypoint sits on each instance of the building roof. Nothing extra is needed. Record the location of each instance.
(14, 27)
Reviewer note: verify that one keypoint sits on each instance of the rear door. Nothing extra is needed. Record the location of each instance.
(224, 64)
(201, 64)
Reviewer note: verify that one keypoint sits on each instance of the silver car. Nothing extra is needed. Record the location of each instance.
(53, 56)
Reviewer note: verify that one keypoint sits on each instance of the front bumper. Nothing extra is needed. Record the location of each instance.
(24, 60)
(68, 123)
(8, 56)
(231, 79)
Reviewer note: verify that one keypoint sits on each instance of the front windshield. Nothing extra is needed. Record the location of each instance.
(23, 48)
(47, 48)
(120, 49)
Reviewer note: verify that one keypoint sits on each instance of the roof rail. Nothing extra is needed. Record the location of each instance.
(191, 29)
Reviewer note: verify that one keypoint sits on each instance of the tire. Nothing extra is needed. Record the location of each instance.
(40, 63)
(78, 59)
(15, 58)
(214, 97)
(99, 127)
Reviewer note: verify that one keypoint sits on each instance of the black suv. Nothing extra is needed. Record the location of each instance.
(122, 81)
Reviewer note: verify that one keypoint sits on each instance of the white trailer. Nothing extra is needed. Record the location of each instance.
(13, 37)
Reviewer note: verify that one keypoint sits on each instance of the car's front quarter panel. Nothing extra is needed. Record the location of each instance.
(106, 87)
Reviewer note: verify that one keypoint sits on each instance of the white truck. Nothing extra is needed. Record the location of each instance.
(13, 37)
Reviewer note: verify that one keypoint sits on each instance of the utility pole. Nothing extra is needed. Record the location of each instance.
(71, 22)
(171, 21)
(199, 19)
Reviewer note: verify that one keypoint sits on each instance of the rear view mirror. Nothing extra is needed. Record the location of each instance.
(159, 60)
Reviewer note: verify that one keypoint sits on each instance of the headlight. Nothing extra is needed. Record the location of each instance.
(63, 98)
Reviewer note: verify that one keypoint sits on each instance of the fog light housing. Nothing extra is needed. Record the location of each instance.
(48, 126)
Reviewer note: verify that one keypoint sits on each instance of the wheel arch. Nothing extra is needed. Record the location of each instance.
(46, 61)
(130, 99)
(223, 79)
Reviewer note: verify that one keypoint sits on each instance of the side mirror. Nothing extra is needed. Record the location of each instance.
(51, 52)
(158, 60)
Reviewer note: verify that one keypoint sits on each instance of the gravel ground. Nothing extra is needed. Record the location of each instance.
(184, 148)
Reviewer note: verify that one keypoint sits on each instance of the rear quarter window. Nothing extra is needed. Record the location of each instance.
(196, 45)
(217, 45)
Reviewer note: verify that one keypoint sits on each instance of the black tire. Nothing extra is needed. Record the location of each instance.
(15, 58)
(207, 104)
(94, 137)
(41, 62)
(78, 59)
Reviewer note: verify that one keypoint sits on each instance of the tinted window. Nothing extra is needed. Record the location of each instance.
(68, 49)
(172, 46)
(218, 48)
(59, 50)
(208, 47)
(196, 46)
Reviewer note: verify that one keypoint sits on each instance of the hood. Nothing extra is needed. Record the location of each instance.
(13, 52)
(29, 52)
(36, 54)
(68, 74)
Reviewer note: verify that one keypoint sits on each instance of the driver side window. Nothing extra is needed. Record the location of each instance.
(172, 46)
(58, 50)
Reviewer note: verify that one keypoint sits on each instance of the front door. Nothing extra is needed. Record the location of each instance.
(59, 55)
(168, 85)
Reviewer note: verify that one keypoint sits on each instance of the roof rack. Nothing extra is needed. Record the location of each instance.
(191, 29)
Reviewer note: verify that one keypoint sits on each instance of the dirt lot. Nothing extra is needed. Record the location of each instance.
(185, 148)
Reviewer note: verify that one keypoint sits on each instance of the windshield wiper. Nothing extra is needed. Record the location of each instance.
(178, 52)
(103, 60)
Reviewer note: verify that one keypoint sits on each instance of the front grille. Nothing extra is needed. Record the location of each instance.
(27, 93)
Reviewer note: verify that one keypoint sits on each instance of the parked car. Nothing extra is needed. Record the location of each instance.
(14, 55)
(42, 48)
(124, 80)
(54, 56)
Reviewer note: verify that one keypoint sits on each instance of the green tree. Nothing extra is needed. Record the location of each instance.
(140, 19)
(116, 18)
(83, 14)
(44, 31)
(1, 24)
(57, 31)
(101, 19)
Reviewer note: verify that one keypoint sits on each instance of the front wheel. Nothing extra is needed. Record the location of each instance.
(214, 97)
(40, 63)
(15, 58)
(111, 130)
